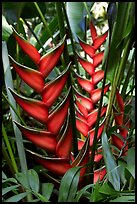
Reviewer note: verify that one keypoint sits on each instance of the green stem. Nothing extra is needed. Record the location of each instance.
(34, 35)
(8, 161)
(44, 21)
(88, 12)
(71, 38)
(117, 77)
(9, 150)
(18, 135)
(129, 73)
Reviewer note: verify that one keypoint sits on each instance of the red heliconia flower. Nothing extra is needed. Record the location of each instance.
(56, 137)
(123, 126)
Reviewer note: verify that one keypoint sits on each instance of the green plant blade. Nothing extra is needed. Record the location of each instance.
(112, 170)
(6, 29)
(47, 189)
(17, 197)
(33, 179)
(69, 185)
(8, 189)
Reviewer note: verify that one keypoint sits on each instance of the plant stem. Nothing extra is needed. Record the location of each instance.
(44, 21)
(116, 80)
(34, 35)
(9, 149)
(129, 73)
(6, 157)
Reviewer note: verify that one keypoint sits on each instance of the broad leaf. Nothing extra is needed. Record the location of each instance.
(6, 29)
(69, 184)
(33, 179)
(111, 166)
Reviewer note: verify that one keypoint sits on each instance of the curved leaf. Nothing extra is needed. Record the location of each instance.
(111, 166)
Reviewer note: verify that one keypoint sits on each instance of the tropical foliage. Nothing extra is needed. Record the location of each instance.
(68, 92)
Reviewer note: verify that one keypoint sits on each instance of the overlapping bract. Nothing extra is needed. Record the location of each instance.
(57, 136)
(123, 124)
(51, 139)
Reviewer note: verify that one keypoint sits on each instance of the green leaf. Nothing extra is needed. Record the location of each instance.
(10, 188)
(76, 12)
(131, 169)
(22, 178)
(47, 189)
(33, 179)
(96, 195)
(108, 190)
(83, 192)
(17, 198)
(69, 184)
(4, 175)
(37, 31)
(124, 199)
(6, 29)
(112, 168)
(122, 166)
(131, 156)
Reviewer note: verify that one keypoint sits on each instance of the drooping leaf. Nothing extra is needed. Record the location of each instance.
(6, 29)
(75, 18)
(68, 186)
(35, 108)
(42, 138)
(50, 59)
(111, 166)
(32, 77)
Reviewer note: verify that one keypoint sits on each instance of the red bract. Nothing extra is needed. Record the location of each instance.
(57, 135)
(121, 143)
